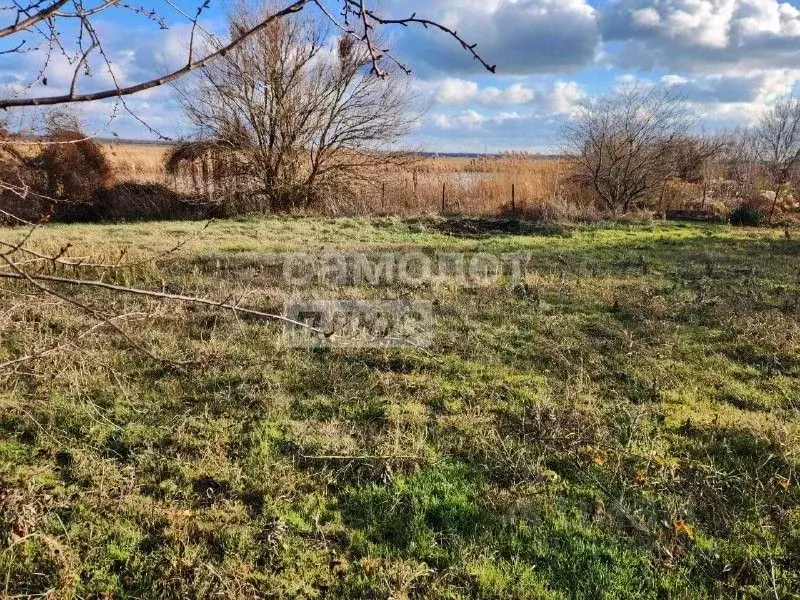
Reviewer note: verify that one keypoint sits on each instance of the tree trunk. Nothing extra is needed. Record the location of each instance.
(705, 195)
(774, 203)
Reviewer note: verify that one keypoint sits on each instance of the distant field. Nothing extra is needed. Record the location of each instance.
(621, 424)
(137, 162)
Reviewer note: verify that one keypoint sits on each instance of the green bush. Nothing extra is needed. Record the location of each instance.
(746, 216)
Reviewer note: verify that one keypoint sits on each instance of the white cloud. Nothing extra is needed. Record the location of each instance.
(673, 80)
(726, 100)
(535, 127)
(472, 120)
(559, 97)
(514, 94)
(520, 36)
(456, 92)
(754, 87)
(563, 97)
(646, 17)
(703, 35)
(469, 119)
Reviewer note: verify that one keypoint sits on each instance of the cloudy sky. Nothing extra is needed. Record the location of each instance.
(729, 57)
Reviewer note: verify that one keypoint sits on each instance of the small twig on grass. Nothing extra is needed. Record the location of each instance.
(33, 278)
(367, 457)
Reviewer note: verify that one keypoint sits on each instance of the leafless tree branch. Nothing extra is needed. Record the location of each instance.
(51, 15)
(43, 14)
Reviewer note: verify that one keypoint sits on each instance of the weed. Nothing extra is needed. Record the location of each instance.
(622, 423)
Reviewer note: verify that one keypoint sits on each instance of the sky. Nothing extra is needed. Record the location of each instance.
(729, 58)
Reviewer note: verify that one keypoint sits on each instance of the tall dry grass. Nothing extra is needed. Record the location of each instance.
(139, 163)
(543, 188)
(470, 186)
(511, 183)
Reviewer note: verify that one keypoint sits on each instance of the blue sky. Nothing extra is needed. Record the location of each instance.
(731, 58)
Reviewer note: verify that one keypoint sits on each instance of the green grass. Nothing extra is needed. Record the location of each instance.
(623, 424)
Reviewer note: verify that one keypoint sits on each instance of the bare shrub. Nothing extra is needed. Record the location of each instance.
(132, 201)
(74, 166)
(777, 137)
(61, 176)
(69, 29)
(741, 167)
(207, 170)
(19, 202)
(696, 158)
(623, 144)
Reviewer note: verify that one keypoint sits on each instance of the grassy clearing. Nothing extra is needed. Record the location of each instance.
(624, 424)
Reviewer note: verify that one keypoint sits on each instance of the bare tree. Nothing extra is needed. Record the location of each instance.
(697, 157)
(741, 164)
(694, 154)
(290, 116)
(778, 141)
(623, 143)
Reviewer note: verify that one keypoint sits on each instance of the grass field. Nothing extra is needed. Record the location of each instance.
(621, 424)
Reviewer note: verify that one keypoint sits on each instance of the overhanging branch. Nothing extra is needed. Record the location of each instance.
(117, 92)
(33, 20)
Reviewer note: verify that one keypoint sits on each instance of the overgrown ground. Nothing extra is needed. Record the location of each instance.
(623, 425)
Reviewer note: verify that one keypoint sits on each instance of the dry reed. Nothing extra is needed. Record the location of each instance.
(504, 185)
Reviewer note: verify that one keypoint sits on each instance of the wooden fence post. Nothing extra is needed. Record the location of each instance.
(514, 200)
(444, 197)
